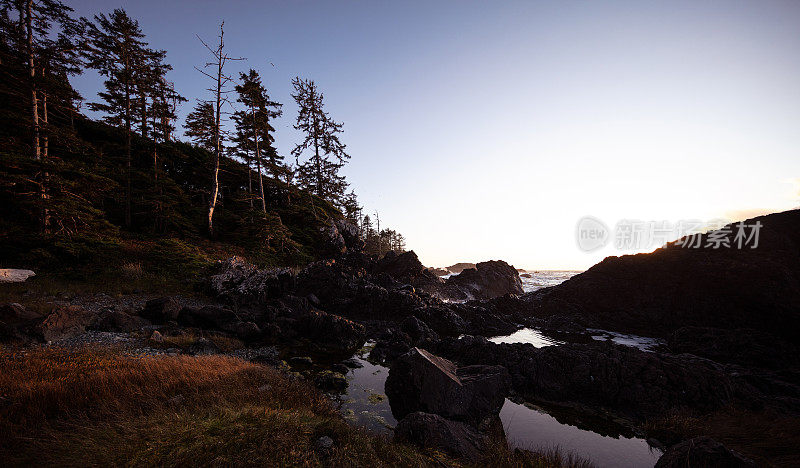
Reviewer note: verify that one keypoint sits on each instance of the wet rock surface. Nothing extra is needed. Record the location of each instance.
(621, 380)
(702, 452)
(454, 438)
(445, 407)
(421, 381)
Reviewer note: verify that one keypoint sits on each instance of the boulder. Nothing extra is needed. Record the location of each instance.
(208, 317)
(333, 239)
(702, 452)
(161, 310)
(350, 234)
(12, 275)
(65, 322)
(390, 344)
(421, 381)
(157, 337)
(418, 331)
(242, 283)
(12, 312)
(439, 271)
(459, 267)
(247, 331)
(330, 331)
(203, 346)
(330, 381)
(118, 321)
(406, 268)
(11, 334)
(456, 439)
(323, 445)
(487, 280)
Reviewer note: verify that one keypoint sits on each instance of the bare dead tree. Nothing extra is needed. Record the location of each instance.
(220, 80)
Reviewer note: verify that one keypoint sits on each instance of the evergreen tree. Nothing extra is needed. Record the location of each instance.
(350, 207)
(319, 173)
(43, 43)
(254, 131)
(201, 125)
(115, 48)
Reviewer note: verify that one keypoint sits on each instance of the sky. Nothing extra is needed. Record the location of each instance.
(487, 130)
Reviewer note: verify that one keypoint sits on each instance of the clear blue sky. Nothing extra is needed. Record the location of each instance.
(487, 129)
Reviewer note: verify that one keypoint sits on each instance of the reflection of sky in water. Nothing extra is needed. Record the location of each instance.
(526, 335)
(365, 400)
(642, 342)
(531, 429)
(365, 404)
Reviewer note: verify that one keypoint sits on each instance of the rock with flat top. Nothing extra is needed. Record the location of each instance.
(13, 275)
(421, 381)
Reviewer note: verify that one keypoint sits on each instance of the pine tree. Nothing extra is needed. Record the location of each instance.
(254, 131)
(351, 208)
(319, 173)
(44, 39)
(115, 48)
(201, 125)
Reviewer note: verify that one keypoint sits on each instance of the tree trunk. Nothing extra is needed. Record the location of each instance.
(250, 182)
(45, 174)
(258, 162)
(32, 70)
(128, 143)
(45, 136)
(212, 202)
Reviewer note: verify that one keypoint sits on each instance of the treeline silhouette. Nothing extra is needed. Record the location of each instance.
(68, 183)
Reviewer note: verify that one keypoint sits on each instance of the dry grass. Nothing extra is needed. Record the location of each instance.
(767, 438)
(185, 340)
(96, 407)
(89, 407)
(499, 455)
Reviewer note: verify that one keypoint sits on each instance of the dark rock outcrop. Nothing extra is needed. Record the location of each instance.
(607, 378)
(118, 321)
(330, 381)
(350, 234)
(420, 381)
(330, 331)
(406, 268)
(161, 310)
(487, 280)
(12, 312)
(746, 347)
(702, 452)
(239, 282)
(459, 267)
(457, 439)
(657, 293)
(65, 322)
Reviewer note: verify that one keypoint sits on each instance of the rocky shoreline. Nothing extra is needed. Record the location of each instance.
(432, 332)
